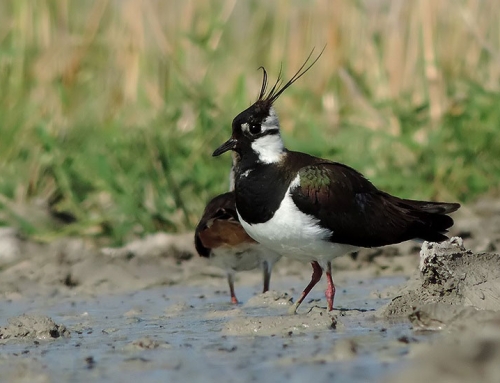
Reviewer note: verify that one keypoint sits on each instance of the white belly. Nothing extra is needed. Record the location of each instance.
(296, 235)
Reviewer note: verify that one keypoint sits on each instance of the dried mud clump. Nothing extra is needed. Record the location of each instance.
(33, 327)
(452, 275)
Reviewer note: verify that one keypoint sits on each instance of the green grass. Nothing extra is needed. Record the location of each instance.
(109, 112)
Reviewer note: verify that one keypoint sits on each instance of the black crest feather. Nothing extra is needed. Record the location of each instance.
(278, 88)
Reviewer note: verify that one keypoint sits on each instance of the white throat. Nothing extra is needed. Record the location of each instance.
(270, 148)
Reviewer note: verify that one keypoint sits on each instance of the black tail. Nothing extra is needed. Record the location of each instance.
(431, 219)
(433, 207)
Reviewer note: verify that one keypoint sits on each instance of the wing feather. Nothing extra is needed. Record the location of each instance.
(359, 214)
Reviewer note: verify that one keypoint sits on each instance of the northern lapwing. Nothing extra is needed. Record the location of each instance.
(220, 237)
(313, 209)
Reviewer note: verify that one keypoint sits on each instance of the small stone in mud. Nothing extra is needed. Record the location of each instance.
(228, 349)
(110, 330)
(90, 362)
(33, 326)
(406, 339)
(146, 343)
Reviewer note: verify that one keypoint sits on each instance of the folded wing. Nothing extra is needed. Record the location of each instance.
(359, 214)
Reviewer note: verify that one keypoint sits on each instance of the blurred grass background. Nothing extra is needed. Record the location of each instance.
(110, 110)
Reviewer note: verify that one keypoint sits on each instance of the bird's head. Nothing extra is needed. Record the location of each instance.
(256, 130)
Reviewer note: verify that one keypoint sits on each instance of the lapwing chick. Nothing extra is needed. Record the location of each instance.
(312, 209)
(220, 237)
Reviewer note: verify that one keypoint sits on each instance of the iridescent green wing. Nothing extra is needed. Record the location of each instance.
(346, 203)
(331, 186)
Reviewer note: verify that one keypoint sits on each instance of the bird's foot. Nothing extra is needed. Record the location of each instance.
(292, 310)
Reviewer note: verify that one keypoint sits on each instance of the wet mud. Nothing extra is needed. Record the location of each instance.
(152, 310)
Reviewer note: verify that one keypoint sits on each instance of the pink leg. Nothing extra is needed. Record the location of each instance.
(316, 276)
(230, 281)
(330, 289)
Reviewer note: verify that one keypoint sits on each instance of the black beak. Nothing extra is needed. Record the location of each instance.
(228, 145)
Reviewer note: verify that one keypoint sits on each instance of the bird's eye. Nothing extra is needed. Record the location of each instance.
(254, 129)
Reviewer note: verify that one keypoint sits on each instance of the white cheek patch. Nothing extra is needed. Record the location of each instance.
(245, 127)
(271, 122)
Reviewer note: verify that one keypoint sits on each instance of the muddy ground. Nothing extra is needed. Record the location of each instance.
(153, 310)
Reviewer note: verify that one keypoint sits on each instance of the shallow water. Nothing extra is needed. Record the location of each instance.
(189, 338)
